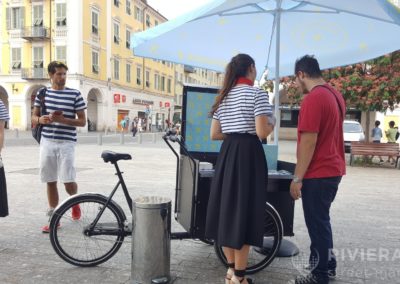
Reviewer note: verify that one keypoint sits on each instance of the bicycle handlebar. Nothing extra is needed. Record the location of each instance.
(171, 135)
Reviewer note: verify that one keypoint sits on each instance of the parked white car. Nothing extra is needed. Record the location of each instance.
(352, 131)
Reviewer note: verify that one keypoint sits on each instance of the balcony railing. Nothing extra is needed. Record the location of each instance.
(189, 69)
(34, 73)
(35, 33)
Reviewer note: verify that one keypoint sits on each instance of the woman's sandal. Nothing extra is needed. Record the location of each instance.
(240, 274)
(230, 273)
(236, 280)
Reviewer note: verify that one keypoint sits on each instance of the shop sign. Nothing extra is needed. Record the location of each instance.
(117, 98)
(142, 102)
(167, 104)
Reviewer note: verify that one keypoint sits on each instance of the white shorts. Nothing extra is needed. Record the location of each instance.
(57, 159)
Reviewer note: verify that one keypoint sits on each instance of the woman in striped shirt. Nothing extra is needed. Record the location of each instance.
(3, 187)
(241, 118)
(3, 118)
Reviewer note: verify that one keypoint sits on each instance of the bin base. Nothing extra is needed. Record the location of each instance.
(287, 248)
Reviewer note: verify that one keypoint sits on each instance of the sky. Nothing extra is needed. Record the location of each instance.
(173, 8)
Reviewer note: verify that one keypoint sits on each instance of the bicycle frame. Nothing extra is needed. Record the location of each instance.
(90, 231)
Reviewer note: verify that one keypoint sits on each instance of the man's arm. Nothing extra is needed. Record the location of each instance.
(36, 118)
(80, 121)
(305, 152)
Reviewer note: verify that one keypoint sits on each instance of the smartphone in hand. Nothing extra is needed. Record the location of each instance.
(57, 112)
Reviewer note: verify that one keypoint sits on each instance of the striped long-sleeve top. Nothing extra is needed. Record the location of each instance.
(238, 110)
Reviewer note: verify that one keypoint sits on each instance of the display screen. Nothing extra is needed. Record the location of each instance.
(197, 126)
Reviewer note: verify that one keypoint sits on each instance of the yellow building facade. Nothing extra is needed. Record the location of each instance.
(93, 38)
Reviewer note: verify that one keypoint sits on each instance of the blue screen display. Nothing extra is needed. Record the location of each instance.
(197, 130)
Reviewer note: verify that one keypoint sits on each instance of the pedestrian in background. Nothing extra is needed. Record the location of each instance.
(391, 138)
(320, 164)
(65, 110)
(376, 135)
(3, 184)
(236, 206)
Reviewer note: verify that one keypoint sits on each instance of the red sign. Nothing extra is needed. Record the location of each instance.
(160, 104)
(117, 98)
(123, 98)
(167, 104)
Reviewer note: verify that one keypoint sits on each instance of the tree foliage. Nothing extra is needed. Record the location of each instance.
(368, 86)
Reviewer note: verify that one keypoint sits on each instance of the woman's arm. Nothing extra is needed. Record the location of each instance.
(2, 123)
(263, 126)
(216, 131)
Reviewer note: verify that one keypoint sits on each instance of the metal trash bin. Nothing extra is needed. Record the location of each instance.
(151, 242)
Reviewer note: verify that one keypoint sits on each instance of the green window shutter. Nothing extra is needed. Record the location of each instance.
(8, 18)
(22, 15)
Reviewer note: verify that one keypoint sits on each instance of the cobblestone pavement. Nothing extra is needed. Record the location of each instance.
(365, 218)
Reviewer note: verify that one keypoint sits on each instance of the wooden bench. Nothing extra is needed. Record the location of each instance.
(375, 149)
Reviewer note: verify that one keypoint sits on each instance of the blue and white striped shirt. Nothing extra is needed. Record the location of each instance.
(3, 112)
(69, 101)
(238, 110)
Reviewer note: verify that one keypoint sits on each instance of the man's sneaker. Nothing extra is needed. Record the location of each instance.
(310, 279)
(76, 212)
(331, 272)
(46, 228)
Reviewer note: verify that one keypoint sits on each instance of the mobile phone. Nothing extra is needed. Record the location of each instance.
(57, 112)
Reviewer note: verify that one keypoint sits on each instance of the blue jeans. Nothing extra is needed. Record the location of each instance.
(317, 196)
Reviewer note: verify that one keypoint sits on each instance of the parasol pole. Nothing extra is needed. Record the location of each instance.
(276, 84)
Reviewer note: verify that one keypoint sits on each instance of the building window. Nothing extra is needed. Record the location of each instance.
(148, 24)
(116, 69)
(138, 75)
(116, 33)
(169, 86)
(128, 39)
(95, 22)
(61, 14)
(61, 53)
(38, 57)
(147, 78)
(95, 62)
(162, 83)
(128, 7)
(37, 16)
(138, 14)
(16, 58)
(156, 81)
(116, 3)
(128, 73)
(15, 17)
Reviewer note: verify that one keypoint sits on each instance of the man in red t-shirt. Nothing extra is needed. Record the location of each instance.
(320, 164)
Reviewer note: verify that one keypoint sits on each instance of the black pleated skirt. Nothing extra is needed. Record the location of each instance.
(236, 206)
(3, 194)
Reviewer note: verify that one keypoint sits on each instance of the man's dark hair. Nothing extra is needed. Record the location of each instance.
(391, 123)
(377, 123)
(309, 65)
(51, 68)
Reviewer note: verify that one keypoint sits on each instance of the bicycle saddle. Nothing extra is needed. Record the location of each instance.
(110, 156)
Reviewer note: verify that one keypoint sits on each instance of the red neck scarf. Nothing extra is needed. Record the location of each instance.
(245, 81)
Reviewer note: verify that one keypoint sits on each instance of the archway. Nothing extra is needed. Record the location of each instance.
(4, 99)
(30, 100)
(93, 98)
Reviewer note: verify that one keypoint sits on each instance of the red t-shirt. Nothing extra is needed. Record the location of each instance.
(319, 113)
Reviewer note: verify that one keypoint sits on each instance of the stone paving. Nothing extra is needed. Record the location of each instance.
(365, 218)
